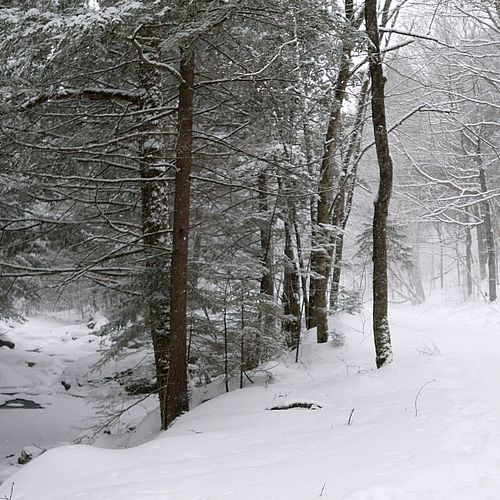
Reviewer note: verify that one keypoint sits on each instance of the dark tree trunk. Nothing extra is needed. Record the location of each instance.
(177, 386)
(157, 320)
(381, 330)
(308, 296)
(488, 229)
(311, 301)
(343, 202)
(266, 281)
(337, 270)
(300, 256)
(323, 240)
(468, 260)
(226, 353)
(291, 304)
(339, 221)
(155, 220)
(441, 255)
(417, 273)
(242, 344)
(481, 248)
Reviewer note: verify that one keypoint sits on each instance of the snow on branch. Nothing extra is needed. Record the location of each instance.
(416, 35)
(271, 61)
(94, 94)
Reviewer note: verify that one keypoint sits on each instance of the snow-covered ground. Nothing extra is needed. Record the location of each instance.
(426, 427)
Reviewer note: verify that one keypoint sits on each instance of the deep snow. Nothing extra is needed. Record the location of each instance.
(235, 447)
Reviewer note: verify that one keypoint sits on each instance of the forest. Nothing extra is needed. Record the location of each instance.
(218, 177)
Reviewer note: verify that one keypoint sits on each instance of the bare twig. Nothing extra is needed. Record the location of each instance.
(349, 422)
(115, 417)
(323, 489)
(347, 365)
(418, 394)
(10, 497)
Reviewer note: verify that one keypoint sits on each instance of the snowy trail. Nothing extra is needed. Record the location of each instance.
(465, 405)
(235, 447)
(474, 431)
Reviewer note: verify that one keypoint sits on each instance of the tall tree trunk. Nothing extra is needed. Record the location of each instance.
(308, 297)
(343, 201)
(481, 248)
(311, 301)
(488, 229)
(468, 260)
(157, 320)
(177, 386)
(419, 286)
(302, 267)
(242, 343)
(323, 239)
(226, 352)
(291, 303)
(155, 218)
(337, 270)
(340, 216)
(266, 281)
(381, 332)
(441, 254)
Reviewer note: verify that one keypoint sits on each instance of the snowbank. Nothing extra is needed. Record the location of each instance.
(441, 443)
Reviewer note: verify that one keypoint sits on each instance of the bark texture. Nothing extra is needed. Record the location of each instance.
(481, 250)
(157, 320)
(323, 240)
(343, 201)
(155, 218)
(381, 332)
(266, 280)
(291, 294)
(488, 230)
(468, 260)
(177, 386)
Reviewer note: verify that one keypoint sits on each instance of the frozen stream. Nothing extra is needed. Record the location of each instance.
(36, 410)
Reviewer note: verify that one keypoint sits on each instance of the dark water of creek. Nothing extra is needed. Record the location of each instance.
(19, 404)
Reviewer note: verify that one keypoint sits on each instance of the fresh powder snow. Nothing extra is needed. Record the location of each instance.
(425, 427)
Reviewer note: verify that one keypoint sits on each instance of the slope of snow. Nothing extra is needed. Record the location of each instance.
(426, 427)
